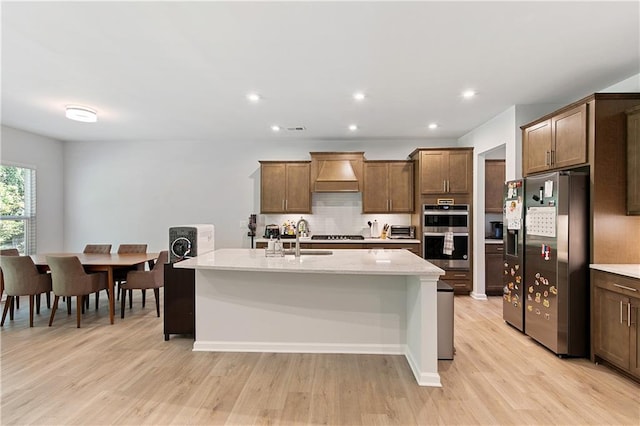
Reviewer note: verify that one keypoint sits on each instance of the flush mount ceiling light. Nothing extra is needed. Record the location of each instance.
(359, 96)
(253, 97)
(353, 127)
(275, 128)
(81, 113)
(468, 94)
(433, 126)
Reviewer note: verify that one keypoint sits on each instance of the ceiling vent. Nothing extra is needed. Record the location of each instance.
(296, 129)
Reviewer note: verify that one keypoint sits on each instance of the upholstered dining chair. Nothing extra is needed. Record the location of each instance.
(22, 278)
(8, 252)
(97, 248)
(70, 279)
(120, 275)
(142, 280)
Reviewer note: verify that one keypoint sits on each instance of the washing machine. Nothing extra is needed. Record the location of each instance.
(189, 241)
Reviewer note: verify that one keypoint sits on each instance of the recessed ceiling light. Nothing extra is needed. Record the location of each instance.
(433, 126)
(81, 113)
(353, 127)
(468, 94)
(253, 97)
(275, 128)
(359, 96)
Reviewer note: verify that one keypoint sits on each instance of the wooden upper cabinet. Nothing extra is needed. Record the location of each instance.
(569, 138)
(494, 178)
(558, 142)
(284, 187)
(633, 161)
(388, 187)
(445, 171)
(536, 142)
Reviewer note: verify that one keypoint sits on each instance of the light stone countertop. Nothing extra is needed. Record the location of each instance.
(344, 261)
(308, 240)
(631, 270)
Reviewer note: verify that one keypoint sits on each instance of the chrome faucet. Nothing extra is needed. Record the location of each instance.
(298, 232)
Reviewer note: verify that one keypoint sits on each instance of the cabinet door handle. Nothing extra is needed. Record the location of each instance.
(625, 287)
(464, 275)
(448, 186)
(499, 249)
(283, 207)
(628, 314)
(286, 204)
(444, 186)
(553, 156)
(621, 312)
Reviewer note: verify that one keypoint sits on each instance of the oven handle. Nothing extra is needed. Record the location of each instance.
(438, 234)
(445, 213)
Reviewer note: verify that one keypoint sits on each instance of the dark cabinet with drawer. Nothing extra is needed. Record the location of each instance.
(179, 301)
(493, 267)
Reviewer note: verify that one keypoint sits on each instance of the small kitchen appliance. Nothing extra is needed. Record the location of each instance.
(496, 230)
(402, 231)
(189, 241)
(272, 231)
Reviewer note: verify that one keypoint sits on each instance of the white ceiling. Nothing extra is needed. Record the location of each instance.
(181, 70)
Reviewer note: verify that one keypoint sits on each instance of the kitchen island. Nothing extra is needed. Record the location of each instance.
(348, 301)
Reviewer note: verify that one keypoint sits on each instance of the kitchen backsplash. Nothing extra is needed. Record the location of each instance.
(335, 213)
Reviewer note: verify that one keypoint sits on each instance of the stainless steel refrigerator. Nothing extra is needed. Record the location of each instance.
(556, 279)
(513, 237)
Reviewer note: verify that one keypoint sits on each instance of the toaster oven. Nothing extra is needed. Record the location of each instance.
(402, 231)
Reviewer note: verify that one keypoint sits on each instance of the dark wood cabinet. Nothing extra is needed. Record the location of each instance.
(494, 265)
(285, 187)
(557, 142)
(494, 178)
(179, 301)
(446, 171)
(615, 331)
(388, 187)
(459, 279)
(633, 161)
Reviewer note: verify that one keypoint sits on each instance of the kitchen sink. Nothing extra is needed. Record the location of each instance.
(307, 252)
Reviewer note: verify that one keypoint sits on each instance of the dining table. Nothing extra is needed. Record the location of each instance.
(97, 262)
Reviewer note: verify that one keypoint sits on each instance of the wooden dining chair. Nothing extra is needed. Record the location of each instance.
(70, 279)
(143, 280)
(22, 278)
(120, 275)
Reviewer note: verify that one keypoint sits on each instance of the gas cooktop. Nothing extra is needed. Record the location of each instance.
(337, 237)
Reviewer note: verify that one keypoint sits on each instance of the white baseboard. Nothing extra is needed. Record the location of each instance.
(329, 348)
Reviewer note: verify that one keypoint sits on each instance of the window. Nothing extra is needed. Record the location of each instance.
(18, 208)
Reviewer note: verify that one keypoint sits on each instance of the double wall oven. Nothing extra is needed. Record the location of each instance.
(446, 235)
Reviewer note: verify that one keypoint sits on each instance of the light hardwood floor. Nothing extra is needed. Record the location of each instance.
(127, 374)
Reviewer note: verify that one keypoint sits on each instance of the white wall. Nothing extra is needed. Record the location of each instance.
(126, 192)
(21, 148)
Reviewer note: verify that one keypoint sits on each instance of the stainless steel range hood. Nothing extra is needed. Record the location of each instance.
(336, 171)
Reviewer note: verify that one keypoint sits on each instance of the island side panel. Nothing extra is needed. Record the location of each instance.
(422, 329)
(300, 312)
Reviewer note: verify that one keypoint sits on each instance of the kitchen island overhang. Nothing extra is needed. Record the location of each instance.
(352, 301)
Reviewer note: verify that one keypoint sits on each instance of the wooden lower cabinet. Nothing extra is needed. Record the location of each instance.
(459, 279)
(493, 267)
(615, 334)
(412, 247)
